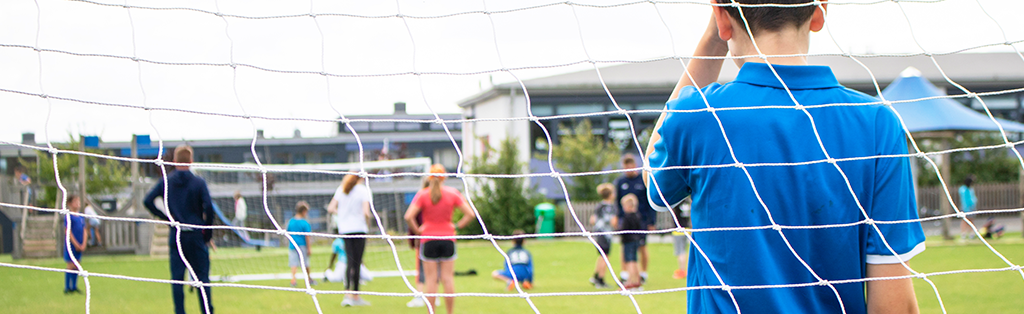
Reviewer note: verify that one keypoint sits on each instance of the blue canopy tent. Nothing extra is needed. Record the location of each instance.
(939, 114)
(938, 118)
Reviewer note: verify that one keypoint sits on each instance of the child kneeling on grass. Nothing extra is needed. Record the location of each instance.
(522, 265)
(299, 224)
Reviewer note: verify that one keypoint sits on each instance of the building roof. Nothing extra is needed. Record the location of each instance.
(992, 70)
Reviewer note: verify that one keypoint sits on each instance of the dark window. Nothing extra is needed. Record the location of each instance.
(328, 158)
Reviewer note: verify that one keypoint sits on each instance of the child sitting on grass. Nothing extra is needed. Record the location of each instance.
(299, 224)
(522, 265)
(631, 221)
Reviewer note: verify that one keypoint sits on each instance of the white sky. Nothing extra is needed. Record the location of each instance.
(541, 37)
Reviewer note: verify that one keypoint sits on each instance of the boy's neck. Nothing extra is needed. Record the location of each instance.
(792, 42)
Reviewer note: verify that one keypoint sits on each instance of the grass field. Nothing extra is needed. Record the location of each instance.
(561, 266)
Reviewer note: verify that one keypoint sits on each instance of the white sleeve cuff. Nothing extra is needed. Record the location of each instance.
(890, 259)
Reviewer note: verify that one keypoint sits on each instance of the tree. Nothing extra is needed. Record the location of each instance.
(104, 175)
(584, 152)
(504, 204)
(988, 166)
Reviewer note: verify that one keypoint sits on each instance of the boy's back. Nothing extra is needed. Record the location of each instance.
(795, 195)
(522, 263)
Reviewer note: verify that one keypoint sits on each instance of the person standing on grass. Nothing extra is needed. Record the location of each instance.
(351, 203)
(77, 240)
(93, 228)
(604, 219)
(301, 246)
(968, 203)
(241, 213)
(632, 183)
(188, 202)
(437, 203)
(631, 221)
(787, 117)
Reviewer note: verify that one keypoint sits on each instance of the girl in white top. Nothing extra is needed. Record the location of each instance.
(351, 204)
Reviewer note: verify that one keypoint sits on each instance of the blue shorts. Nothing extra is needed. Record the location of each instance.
(522, 277)
(78, 255)
(629, 251)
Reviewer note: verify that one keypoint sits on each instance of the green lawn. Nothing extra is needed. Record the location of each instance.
(561, 266)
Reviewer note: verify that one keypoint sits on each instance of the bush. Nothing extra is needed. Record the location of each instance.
(504, 204)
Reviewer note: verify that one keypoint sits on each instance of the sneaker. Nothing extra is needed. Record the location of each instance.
(347, 301)
(527, 285)
(416, 302)
(509, 285)
(679, 274)
(360, 302)
(598, 283)
(313, 282)
(643, 277)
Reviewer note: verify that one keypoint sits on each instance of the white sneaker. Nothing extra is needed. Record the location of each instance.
(347, 302)
(416, 302)
(360, 302)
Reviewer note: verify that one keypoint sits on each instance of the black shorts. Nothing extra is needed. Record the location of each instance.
(642, 241)
(605, 243)
(437, 250)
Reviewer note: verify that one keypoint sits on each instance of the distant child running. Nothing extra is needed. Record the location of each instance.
(522, 265)
(631, 241)
(77, 239)
(299, 224)
(604, 219)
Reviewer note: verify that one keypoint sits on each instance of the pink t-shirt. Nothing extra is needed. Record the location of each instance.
(437, 218)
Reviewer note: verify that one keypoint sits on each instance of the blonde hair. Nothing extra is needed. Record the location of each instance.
(301, 207)
(630, 198)
(183, 154)
(349, 182)
(435, 183)
(238, 194)
(606, 190)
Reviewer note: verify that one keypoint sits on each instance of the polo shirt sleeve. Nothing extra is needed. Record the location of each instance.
(893, 199)
(668, 187)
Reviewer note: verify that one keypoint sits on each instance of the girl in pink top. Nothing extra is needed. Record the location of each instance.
(437, 202)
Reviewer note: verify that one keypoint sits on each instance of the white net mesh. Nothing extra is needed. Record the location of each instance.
(426, 69)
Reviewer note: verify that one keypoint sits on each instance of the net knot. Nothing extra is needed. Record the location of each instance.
(726, 288)
(869, 221)
(798, 107)
(44, 96)
(923, 275)
(961, 215)
(711, 109)
(52, 150)
(887, 103)
(1014, 267)
(343, 120)
(762, 56)
(823, 283)
(323, 73)
(312, 15)
(776, 227)
(439, 121)
(197, 284)
(159, 162)
(831, 160)
(233, 65)
(135, 59)
(534, 118)
(83, 273)
(488, 237)
(622, 112)
(363, 174)
(738, 165)
(311, 291)
(920, 155)
(972, 95)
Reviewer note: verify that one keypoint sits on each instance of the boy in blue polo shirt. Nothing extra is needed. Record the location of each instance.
(773, 197)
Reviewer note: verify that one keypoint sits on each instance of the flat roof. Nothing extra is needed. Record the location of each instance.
(993, 70)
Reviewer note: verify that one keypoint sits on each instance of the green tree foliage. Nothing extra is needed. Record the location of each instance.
(988, 166)
(103, 175)
(504, 204)
(579, 152)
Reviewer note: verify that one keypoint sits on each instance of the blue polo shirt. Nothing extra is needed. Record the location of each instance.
(796, 195)
(298, 225)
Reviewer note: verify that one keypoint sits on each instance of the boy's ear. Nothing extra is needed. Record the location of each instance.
(818, 18)
(723, 20)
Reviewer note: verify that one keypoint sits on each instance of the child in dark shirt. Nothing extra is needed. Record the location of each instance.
(631, 241)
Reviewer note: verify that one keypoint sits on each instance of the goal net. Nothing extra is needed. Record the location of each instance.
(526, 72)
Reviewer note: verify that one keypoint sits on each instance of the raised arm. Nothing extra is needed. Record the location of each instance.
(699, 73)
(890, 296)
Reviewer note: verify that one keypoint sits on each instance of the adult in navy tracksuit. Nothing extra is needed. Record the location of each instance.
(632, 183)
(188, 202)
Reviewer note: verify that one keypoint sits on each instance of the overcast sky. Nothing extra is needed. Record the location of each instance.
(369, 50)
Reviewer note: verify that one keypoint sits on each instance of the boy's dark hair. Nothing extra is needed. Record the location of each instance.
(301, 207)
(969, 180)
(518, 241)
(771, 18)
